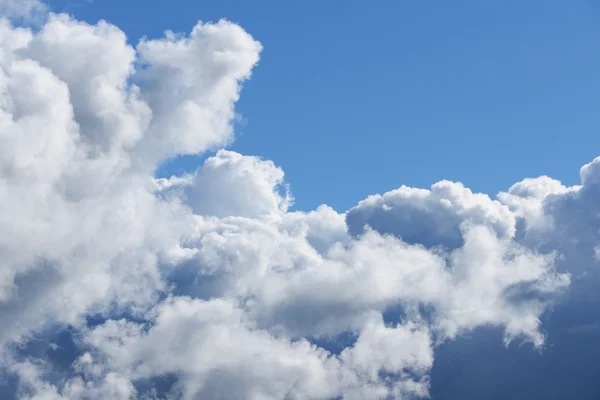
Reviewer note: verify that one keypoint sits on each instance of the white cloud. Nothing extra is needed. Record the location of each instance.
(21, 8)
(214, 189)
(208, 278)
(431, 217)
(191, 84)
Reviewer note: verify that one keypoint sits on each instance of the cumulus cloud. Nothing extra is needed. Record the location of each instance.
(431, 217)
(213, 190)
(206, 285)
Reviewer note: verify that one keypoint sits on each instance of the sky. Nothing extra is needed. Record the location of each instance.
(384, 93)
(299, 201)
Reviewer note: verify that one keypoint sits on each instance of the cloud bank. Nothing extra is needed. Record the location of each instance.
(116, 284)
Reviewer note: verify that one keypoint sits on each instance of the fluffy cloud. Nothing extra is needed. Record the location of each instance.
(431, 217)
(211, 191)
(206, 285)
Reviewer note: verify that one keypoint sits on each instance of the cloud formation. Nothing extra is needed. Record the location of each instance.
(206, 285)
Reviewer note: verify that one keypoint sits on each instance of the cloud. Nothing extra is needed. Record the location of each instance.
(431, 217)
(213, 189)
(21, 8)
(73, 198)
(206, 285)
(191, 84)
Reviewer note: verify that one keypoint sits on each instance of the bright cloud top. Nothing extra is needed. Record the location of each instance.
(207, 280)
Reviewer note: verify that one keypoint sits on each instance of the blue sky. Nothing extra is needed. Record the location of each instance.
(353, 98)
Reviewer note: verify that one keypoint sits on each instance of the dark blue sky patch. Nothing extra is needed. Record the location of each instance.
(479, 366)
(161, 386)
(336, 344)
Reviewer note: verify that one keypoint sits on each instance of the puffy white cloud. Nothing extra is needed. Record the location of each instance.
(208, 281)
(213, 190)
(526, 200)
(431, 217)
(107, 109)
(81, 226)
(191, 84)
(216, 354)
(322, 227)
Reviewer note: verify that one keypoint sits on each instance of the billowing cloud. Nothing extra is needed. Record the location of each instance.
(433, 217)
(212, 190)
(116, 284)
